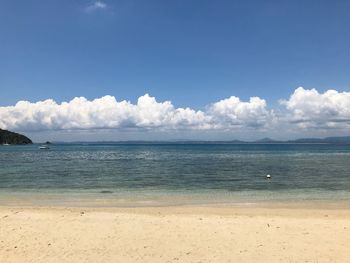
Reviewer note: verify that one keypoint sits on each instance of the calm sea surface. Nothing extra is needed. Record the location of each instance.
(177, 172)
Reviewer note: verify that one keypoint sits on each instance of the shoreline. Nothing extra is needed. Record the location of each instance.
(134, 199)
(215, 204)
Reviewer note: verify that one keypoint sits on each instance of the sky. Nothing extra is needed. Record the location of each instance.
(216, 70)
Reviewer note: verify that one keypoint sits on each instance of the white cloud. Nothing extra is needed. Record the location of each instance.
(147, 113)
(97, 5)
(233, 112)
(306, 109)
(311, 109)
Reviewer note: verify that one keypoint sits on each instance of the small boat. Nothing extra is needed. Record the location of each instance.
(44, 147)
(5, 144)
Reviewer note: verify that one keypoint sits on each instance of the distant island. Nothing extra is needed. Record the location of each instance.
(327, 140)
(8, 137)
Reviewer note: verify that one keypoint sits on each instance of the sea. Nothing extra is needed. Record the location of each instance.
(136, 174)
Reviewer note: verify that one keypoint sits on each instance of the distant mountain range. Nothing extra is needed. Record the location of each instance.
(7, 137)
(328, 140)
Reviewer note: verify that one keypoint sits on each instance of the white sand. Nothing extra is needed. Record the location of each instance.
(174, 234)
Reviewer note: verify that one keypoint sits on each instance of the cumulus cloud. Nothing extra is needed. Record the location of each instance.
(311, 109)
(97, 5)
(306, 109)
(147, 113)
(233, 112)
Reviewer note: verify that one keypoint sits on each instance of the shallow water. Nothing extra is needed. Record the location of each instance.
(185, 172)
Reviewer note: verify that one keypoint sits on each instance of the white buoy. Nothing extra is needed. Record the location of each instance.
(268, 176)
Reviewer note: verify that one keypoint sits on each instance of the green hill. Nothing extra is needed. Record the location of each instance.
(7, 137)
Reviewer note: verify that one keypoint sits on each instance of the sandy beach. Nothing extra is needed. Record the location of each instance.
(174, 234)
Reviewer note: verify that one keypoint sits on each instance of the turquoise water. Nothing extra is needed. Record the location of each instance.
(177, 172)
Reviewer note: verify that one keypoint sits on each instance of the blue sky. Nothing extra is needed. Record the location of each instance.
(192, 53)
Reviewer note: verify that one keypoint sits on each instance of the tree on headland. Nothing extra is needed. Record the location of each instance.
(8, 137)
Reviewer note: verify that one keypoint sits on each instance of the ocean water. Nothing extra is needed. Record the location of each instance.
(180, 173)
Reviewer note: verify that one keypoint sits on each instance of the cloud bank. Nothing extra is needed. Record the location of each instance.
(311, 109)
(305, 109)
